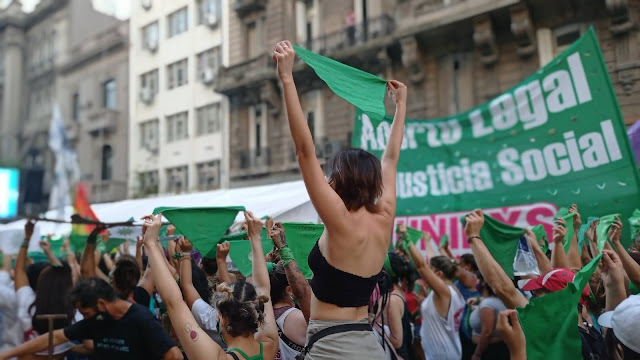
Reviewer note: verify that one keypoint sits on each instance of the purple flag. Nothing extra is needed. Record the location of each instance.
(634, 139)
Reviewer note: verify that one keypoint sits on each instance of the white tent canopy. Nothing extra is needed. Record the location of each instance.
(287, 201)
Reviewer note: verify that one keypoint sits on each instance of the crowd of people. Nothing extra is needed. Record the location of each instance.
(364, 300)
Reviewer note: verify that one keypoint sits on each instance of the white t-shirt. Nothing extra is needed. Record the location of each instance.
(440, 337)
(11, 330)
(207, 318)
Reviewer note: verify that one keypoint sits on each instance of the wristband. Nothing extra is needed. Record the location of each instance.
(177, 255)
(286, 255)
(470, 238)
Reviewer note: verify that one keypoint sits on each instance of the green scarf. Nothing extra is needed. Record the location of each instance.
(242, 255)
(634, 224)
(568, 218)
(301, 238)
(501, 240)
(583, 230)
(364, 90)
(539, 232)
(556, 312)
(603, 229)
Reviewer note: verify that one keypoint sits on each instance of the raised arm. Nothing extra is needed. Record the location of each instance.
(139, 243)
(544, 264)
(613, 278)
(196, 343)
(391, 153)
(268, 332)
(433, 281)
(189, 292)
(489, 267)
(631, 267)
(558, 256)
(299, 285)
(20, 277)
(575, 262)
(88, 262)
(329, 205)
(46, 247)
(426, 237)
(221, 259)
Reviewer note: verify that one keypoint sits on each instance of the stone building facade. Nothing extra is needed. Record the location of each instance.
(452, 55)
(66, 52)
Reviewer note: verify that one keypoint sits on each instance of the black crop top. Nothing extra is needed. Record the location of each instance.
(338, 287)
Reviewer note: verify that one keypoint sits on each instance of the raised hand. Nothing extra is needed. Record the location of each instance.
(559, 231)
(577, 221)
(284, 54)
(510, 331)
(611, 268)
(278, 236)
(475, 221)
(223, 250)
(152, 224)
(185, 245)
(46, 246)
(398, 91)
(402, 228)
(28, 228)
(254, 225)
(615, 231)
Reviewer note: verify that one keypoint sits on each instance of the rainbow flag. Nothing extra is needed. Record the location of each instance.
(80, 232)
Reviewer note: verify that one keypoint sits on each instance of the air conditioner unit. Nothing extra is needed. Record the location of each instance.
(146, 4)
(319, 151)
(151, 45)
(146, 95)
(212, 19)
(208, 76)
(331, 148)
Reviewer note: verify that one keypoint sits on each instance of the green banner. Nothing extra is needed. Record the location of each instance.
(558, 137)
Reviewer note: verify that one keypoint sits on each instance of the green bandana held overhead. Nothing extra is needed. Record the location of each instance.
(412, 237)
(568, 218)
(242, 255)
(556, 311)
(364, 90)
(583, 229)
(231, 237)
(602, 230)
(501, 240)
(203, 226)
(540, 234)
(301, 238)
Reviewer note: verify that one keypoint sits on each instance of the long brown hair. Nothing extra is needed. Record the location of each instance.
(53, 285)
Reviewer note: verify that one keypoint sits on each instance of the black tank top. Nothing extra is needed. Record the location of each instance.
(338, 287)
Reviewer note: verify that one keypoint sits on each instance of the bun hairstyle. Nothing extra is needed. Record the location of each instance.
(446, 265)
(241, 306)
(126, 275)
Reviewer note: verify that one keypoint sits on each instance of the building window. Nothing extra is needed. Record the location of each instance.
(567, 35)
(149, 138)
(257, 130)
(177, 179)
(177, 127)
(107, 162)
(109, 94)
(148, 182)
(178, 22)
(177, 74)
(208, 175)
(150, 36)
(252, 40)
(208, 61)
(75, 107)
(149, 80)
(208, 119)
(209, 11)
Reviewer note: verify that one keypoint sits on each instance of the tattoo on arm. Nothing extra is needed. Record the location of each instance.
(192, 333)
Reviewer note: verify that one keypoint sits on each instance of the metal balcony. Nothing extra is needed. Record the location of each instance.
(244, 7)
(350, 37)
(102, 120)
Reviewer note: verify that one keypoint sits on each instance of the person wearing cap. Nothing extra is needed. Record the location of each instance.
(553, 280)
(623, 326)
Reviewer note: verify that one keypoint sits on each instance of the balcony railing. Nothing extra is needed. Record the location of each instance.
(102, 120)
(253, 159)
(352, 36)
(435, 5)
(246, 72)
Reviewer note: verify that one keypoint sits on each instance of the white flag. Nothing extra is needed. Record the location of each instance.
(66, 171)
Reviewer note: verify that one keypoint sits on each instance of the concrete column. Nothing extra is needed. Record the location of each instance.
(13, 90)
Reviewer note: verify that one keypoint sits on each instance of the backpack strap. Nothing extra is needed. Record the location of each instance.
(289, 342)
(233, 355)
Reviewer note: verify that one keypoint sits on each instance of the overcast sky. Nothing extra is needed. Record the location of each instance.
(117, 8)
